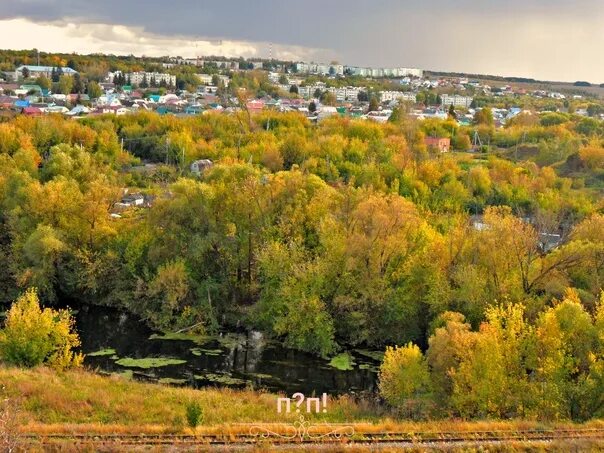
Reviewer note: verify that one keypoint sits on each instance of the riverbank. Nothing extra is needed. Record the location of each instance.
(80, 401)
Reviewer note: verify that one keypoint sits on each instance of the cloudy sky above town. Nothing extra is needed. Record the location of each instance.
(544, 39)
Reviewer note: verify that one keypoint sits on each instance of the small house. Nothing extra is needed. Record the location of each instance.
(199, 166)
(441, 144)
(135, 199)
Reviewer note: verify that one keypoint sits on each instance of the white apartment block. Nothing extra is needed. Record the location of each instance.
(308, 92)
(207, 79)
(456, 100)
(323, 69)
(136, 78)
(401, 96)
(350, 94)
(384, 72)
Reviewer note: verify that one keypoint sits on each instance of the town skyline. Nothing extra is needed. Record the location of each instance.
(327, 63)
(489, 40)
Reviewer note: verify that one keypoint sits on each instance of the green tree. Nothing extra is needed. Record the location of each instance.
(491, 379)
(328, 98)
(363, 96)
(484, 116)
(33, 336)
(43, 82)
(404, 380)
(94, 90)
(78, 85)
(65, 84)
(452, 113)
(373, 104)
(595, 109)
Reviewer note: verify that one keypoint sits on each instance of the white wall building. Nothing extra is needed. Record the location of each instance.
(456, 100)
(384, 72)
(136, 78)
(344, 94)
(38, 71)
(323, 69)
(404, 96)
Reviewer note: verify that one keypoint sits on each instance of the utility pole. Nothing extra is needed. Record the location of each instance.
(183, 161)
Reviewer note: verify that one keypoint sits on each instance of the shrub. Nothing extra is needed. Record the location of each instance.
(194, 414)
(33, 336)
(405, 379)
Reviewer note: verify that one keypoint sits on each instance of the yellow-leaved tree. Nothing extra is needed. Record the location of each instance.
(405, 380)
(34, 336)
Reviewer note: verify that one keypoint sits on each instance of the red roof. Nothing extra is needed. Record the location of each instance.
(255, 105)
(32, 111)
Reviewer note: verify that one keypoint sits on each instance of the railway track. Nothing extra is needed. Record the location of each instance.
(243, 439)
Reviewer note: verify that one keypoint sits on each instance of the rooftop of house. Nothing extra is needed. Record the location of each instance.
(32, 68)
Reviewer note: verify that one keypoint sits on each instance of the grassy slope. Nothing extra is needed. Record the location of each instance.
(80, 401)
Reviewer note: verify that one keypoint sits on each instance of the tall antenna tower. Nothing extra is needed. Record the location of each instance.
(270, 51)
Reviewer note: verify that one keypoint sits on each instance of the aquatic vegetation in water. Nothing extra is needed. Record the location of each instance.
(149, 362)
(367, 366)
(102, 352)
(262, 376)
(343, 362)
(375, 355)
(199, 339)
(224, 379)
(201, 351)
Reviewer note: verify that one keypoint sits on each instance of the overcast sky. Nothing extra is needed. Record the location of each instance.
(545, 39)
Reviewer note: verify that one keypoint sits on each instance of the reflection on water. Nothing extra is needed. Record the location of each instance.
(229, 360)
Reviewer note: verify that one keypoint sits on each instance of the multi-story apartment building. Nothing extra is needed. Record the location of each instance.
(404, 96)
(136, 78)
(346, 94)
(207, 79)
(384, 72)
(456, 100)
(323, 69)
(308, 92)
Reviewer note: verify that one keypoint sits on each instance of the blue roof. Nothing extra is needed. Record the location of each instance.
(21, 103)
(32, 68)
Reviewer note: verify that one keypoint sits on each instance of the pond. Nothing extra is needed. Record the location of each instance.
(118, 342)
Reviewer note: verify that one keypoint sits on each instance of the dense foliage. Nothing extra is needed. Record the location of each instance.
(34, 336)
(552, 369)
(343, 233)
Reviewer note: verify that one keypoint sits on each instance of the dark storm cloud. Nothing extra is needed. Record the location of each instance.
(481, 35)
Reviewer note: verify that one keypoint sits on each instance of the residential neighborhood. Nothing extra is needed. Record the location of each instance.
(183, 87)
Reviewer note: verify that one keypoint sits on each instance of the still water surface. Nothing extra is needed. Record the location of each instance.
(232, 359)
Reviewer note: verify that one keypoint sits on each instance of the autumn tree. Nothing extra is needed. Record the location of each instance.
(94, 90)
(65, 84)
(404, 380)
(33, 336)
(483, 116)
